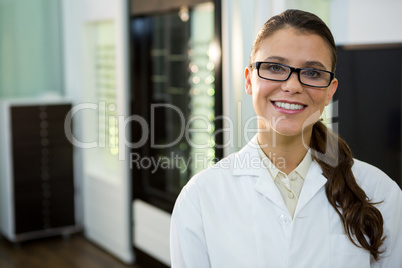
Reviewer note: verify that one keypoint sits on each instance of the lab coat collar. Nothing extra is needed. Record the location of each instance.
(248, 163)
(314, 181)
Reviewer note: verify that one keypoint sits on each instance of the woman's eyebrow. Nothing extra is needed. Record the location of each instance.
(277, 59)
(315, 64)
(308, 64)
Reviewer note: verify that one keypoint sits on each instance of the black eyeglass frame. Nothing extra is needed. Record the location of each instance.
(257, 65)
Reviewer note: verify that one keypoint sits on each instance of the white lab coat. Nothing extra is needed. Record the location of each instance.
(233, 215)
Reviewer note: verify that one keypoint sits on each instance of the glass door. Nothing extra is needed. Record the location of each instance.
(176, 88)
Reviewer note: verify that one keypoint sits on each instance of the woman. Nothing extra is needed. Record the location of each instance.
(317, 206)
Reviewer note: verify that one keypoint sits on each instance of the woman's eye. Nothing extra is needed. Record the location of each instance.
(312, 73)
(276, 68)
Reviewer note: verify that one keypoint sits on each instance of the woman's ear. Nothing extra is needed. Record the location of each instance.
(331, 90)
(248, 74)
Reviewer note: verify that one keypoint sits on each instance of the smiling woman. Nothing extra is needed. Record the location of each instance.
(274, 94)
(320, 207)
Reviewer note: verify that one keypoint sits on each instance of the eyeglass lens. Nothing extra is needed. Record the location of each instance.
(308, 76)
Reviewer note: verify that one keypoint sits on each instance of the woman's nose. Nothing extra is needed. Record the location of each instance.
(292, 85)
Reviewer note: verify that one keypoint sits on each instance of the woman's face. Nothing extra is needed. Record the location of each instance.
(296, 49)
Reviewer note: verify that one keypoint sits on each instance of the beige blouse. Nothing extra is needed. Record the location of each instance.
(288, 185)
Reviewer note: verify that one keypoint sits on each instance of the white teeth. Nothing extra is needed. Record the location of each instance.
(288, 106)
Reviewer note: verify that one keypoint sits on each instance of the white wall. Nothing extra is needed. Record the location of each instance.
(104, 181)
(366, 21)
(241, 20)
(72, 18)
(30, 48)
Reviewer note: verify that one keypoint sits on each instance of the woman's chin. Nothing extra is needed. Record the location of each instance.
(290, 132)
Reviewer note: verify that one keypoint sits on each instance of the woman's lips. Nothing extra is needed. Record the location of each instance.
(288, 107)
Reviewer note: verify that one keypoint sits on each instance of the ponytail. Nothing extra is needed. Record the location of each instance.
(361, 220)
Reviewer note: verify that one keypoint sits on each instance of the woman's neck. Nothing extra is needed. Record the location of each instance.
(285, 152)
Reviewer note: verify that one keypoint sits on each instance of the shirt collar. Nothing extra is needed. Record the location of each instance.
(301, 169)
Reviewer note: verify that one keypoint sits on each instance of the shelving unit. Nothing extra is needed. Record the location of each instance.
(36, 179)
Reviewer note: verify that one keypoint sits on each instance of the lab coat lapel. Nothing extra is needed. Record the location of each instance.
(266, 186)
(247, 162)
(312, 184)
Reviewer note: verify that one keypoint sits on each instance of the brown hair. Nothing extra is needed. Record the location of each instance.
(300, 20)
(359, 216)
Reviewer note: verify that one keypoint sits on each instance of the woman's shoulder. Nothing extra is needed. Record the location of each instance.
(211, 182)
(373, 180)
(222, 168)
(365, 169)
(227, 171)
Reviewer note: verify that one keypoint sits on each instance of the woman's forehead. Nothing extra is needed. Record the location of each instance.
(294, 46)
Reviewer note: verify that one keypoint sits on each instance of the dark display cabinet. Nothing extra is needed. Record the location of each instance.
(176, 88)
(369, 101)
(37, 182)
